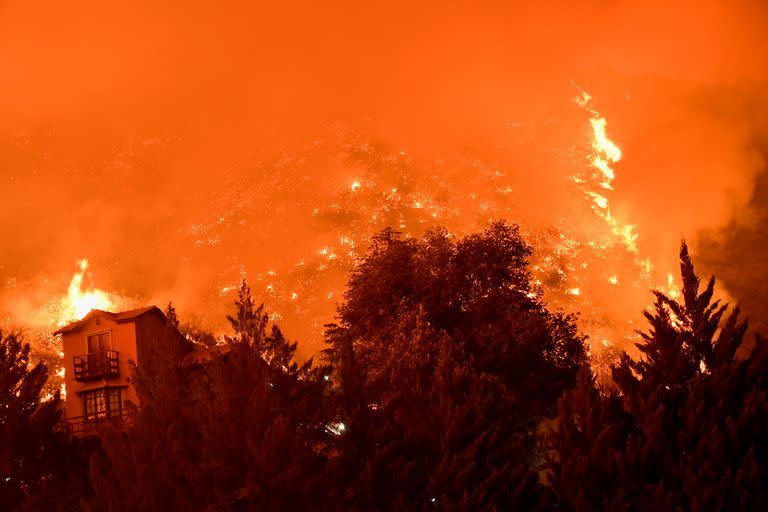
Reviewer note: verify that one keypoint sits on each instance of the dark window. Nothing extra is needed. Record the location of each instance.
(99, 342)
(103, 403)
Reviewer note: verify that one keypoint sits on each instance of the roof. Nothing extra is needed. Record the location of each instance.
(120, 317)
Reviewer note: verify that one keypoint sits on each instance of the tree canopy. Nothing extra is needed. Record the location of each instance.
(447, 360)
(449, 385)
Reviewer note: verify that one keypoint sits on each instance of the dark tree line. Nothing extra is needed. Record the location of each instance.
(448, 361)
(686, 428)
(447, 384)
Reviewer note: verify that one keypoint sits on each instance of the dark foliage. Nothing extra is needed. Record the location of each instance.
(170, 314)
(447, 362)
(685, 430)
(239, 427)
(452, 387)
(38, 468)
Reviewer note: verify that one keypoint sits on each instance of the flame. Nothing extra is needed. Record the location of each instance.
(672, 290)
(63, 389)
(606, 153)
(79, 303)
(594, 184)
(594, 267)
(604, 145)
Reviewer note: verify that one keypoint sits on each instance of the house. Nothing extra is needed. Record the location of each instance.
(97, 350)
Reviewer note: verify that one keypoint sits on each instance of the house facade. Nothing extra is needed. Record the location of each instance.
(97, 350)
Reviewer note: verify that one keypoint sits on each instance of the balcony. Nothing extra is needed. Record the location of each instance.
(90, 426)
(96, 365)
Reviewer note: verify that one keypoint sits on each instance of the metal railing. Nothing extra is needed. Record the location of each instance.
(90, 425)
(96, 365)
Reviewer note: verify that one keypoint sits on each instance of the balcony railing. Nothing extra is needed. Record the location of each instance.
(96, 365)
(90, 425)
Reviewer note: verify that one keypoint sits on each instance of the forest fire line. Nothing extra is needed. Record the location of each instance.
(606, 154)
(287, 295)
(587, 258)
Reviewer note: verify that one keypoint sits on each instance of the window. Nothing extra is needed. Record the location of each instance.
(103, 403)
(99, 342)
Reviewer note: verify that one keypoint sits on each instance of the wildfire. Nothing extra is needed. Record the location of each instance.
(78, 302)
(606, 153)
(673, 292)
(586, 257)
(672, 289)
(596, 185)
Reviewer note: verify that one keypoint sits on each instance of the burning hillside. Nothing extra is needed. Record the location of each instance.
(281, 171)
(586, 258)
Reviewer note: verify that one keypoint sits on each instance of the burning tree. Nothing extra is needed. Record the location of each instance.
(685, 431)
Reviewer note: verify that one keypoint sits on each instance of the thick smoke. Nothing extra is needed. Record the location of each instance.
(180, 149)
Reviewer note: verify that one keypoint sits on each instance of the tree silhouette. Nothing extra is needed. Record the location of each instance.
(685, 430)
(27, 440)
(220, 429)
(447, 361)
(250, 324)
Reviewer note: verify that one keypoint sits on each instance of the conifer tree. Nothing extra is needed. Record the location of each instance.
(250, 324)
(27, 440)
(170, 314)
(190, 330)
(684, 431)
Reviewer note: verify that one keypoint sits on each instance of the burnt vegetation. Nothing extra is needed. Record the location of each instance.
(446, 384)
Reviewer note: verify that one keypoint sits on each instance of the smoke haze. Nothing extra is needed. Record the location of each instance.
(180, 149)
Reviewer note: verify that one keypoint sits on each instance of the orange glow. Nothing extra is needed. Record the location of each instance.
(604, 145)
(191, 146)
(606, 154)
(672, 290)
(79, 302)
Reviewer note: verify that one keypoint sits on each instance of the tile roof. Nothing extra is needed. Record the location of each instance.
(120, 317)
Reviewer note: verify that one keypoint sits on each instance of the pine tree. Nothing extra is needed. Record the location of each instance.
(688, 432)
(250, 324)
(191, 330)
(170, 314)
(27, 421)
(587, 466)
